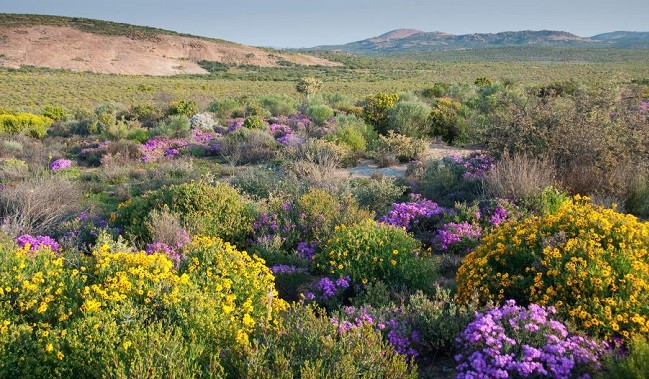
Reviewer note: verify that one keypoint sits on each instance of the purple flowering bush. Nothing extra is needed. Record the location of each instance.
(411, 213)
(160, 147)
(328, 292)
(60, 164)
(515, 341)
(33, 243)
(459, 238)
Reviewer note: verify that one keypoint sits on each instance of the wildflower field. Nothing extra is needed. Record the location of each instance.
(177, 229)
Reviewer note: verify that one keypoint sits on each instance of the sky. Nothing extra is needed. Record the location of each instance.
(308, 23)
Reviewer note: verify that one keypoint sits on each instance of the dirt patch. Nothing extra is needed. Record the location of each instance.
(368, 168)
(76, 50)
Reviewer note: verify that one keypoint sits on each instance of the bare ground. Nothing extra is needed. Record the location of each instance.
(69, 48)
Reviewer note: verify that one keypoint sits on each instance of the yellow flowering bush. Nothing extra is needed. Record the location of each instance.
(369, 251)
(121, 313)
(591, 263)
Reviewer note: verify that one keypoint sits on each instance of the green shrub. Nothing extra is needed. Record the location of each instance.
(351, 137)
(377, 194)
(13, 169)
(311, 346)
(213, 210)
(375, 110)
(587, 261)
(410, 118)
(177, 126)
(403, 148)
(637, 194)
(255, 122)
(224, 108)
(54, 113)
(249, 146)
(446, 121)
(319, 113)
(308, 86)
(182, 107)
(630, 364)
(368, 251)
(279, 105)
(267, 182)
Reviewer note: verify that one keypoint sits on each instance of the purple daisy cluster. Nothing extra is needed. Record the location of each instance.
(410, 213)
(34, 243)
(60, 164)
(454, 233)
(395, 329)
(283, 134)
(160, 147)
(474, 166)
(172, 251)
(327, 289)
(515, 341)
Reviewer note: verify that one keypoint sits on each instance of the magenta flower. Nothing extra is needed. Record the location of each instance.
(37, 242)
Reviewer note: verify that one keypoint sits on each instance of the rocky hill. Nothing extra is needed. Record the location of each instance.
(79, 44)
(410, 40)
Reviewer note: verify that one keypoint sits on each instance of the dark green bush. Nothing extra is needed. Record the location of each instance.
(213, 210)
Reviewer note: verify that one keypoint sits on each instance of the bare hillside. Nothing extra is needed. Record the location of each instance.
(66, 47)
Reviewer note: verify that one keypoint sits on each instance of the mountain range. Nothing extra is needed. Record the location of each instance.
(412, 40)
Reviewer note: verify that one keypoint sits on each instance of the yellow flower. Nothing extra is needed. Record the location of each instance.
(126, 344)
(60, 356)
(49, 348)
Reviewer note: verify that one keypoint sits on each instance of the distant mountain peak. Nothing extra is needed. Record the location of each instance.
(395, 34)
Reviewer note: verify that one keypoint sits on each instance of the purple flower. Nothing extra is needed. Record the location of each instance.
(457, 233)
(526, 342)
(37, 242)
(60, 164)
(286, 269)
(408, 214)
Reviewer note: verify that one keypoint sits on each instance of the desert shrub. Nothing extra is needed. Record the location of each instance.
(248, 146)
(446, 121)
(410, 118)
(224, 108)
(318, 112)
(375, 110)
(526, 342)
(437, 90)
(590, 136)
(214, 210)
(182, 107)
(377, 194)
(326, 154)
(121, 151)
(267, 182)
(453, 178)
(367, 251)
(519, 177)
(13, 169)
(308, 86)
(255, 122)
(585, 260)
(341, 102)
(279, 105)
(146, 114)
(631, 363)
(403, 148)
(311, 346)
(38, 204)
(637, 194)
(350, 137)
(27, 123)
(166, 227)
(177, 126)
(10, 147)
(54, 113)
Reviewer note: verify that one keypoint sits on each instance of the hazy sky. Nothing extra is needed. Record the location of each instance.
(306, 23)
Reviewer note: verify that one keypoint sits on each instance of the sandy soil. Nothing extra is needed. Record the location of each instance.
(72, 49)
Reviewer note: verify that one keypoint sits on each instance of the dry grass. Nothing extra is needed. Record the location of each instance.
(520, 177)
(39, 204)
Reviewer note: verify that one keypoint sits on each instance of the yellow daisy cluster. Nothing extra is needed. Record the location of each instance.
(591, 263)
